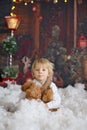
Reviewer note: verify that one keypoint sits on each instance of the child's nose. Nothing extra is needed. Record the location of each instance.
(40, 71)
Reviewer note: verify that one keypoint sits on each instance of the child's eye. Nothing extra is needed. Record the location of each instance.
(44, 69)
(37, 69)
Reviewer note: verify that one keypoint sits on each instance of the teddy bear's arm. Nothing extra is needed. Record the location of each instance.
(47, 95)
(46, 85)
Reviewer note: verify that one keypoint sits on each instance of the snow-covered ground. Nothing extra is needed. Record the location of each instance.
(19, 113)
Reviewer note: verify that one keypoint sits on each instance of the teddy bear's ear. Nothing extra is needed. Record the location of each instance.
(26, 85)
(28, 80)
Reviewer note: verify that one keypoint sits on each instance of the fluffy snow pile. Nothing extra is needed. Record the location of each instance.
(19, 113)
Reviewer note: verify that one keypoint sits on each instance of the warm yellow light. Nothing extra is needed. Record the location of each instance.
(12, 14)
(32, 1)
(14, 0)
(13, 7)
(17, 1)
(65, 1)
(25, 3)
(55, 1)
(12, 22)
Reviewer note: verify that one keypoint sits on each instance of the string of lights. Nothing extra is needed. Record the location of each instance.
(33, 1)
(26, 2)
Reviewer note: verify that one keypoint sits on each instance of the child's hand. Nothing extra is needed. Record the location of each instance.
(53, 109)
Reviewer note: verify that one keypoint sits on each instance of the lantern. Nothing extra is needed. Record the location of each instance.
(12, 23)
(82, 42)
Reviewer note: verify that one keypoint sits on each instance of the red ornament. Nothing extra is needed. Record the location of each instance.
(47, 0)
(82, 41)
(34, 8)
(80, 1)
(40, 18)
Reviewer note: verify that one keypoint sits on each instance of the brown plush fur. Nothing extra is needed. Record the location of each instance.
(47, 92)
(33, 91)
(47, 95)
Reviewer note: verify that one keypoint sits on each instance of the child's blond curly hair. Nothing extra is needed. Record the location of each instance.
(43, 61)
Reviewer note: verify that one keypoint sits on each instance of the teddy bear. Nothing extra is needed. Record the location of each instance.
(33, 91)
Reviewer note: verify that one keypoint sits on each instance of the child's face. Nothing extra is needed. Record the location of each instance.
(41, 72)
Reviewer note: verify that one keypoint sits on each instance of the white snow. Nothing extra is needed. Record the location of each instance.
(19, 113)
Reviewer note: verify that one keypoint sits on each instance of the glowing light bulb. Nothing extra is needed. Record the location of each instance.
(65, 1)
(32, 1)
(55, 1)
(25, 3)
(14, 0)
(13, 7)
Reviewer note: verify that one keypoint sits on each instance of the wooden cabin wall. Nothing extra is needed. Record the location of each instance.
(62, 16)
(38, 33)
